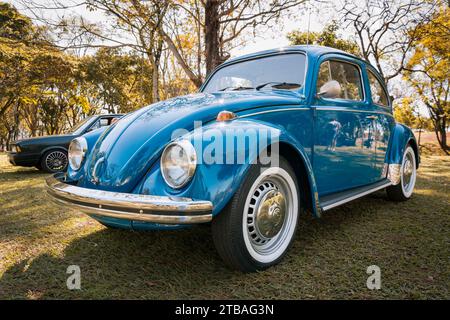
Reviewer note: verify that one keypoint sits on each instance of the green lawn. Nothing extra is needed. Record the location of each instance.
(409, 241)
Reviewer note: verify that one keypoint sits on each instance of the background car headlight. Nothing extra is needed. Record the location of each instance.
(178, 163)
(77, 151)
(15, 148)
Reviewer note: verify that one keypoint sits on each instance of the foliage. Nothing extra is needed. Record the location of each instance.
(428, 70)
(327, 37)
(44, 90)
(404, 112)
(385, 30)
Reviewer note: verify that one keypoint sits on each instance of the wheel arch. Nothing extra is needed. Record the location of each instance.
(304, 175)
(413, 144)
(401, 137)
(51, 148)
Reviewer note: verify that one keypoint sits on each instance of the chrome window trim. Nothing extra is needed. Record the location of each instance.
(271, 54)
(342, 109)
(389, 106)
(364, 97)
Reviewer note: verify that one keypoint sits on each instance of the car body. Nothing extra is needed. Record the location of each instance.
(323, 118)
(49, 153)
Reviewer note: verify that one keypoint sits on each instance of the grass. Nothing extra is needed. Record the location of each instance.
(408, 241)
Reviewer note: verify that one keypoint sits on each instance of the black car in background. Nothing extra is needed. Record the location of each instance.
(49, 153)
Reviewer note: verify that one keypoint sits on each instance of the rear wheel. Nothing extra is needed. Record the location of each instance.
(403, 191)
(54, 161)
(258, 226)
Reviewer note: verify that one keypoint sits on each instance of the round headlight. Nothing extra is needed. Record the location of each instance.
(178, 163)
(77, 151)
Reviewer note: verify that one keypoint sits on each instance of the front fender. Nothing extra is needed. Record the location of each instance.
(91, 139)
(217, 179)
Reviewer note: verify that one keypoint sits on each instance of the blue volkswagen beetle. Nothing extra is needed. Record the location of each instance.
(269, 134)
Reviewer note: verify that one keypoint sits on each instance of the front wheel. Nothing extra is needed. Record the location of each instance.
(258, 226)
(403, 191)
(54, 161)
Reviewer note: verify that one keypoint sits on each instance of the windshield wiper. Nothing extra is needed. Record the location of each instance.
(236, 88)
(280, 85)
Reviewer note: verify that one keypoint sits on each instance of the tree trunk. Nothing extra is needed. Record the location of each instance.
(155, 75)
(212, 28)
(440, 128)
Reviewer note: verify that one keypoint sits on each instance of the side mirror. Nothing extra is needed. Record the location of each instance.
(331, 89)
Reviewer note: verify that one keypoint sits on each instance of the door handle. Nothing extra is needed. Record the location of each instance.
(372, 117)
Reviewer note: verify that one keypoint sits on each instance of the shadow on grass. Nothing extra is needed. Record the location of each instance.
(25, 211)
(22, 172)
(328, 258)
(157, 264)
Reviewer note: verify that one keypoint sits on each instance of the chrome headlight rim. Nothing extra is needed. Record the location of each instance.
(189, 149)
(82, 148)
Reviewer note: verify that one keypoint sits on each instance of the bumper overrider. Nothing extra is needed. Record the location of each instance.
(135, 207)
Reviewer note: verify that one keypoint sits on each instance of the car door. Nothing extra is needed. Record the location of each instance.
(384, 121)
(344, 128)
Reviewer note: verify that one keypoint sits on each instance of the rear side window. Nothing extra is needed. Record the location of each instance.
(379, 96)
(348, 76)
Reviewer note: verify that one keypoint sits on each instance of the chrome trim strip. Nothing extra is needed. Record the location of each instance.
(343, 109)
(135, 207)
(271, 111)
(359, 195)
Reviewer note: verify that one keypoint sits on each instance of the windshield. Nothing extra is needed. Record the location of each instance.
(279, 69)
(80, 126)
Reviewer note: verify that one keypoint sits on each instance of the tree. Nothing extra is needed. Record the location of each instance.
(153, 26)
(404, 112)
(328, 37)
(385, 30)
(428, 70)
(117, 82)
(224, 21)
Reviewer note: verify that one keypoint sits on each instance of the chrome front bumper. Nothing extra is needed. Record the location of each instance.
(136, 207)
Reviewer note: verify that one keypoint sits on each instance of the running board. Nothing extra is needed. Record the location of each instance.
(336, 199)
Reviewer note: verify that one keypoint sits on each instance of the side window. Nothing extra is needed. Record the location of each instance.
(348, 76)
(102, 122)
(378, 94)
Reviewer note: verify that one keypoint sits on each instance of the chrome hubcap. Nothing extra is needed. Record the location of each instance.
(56, 160)
(270, 215)
(407, 171)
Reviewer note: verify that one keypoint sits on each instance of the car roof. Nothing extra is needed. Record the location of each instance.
(310, 50)
(313, 51)
(110, 115)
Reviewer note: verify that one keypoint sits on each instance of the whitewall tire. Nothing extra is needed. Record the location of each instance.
(258, 225)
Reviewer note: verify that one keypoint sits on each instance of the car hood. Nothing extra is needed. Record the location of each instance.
(44, 139)
(127, 150)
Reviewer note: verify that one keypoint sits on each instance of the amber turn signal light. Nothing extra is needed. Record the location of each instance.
(225, 116)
